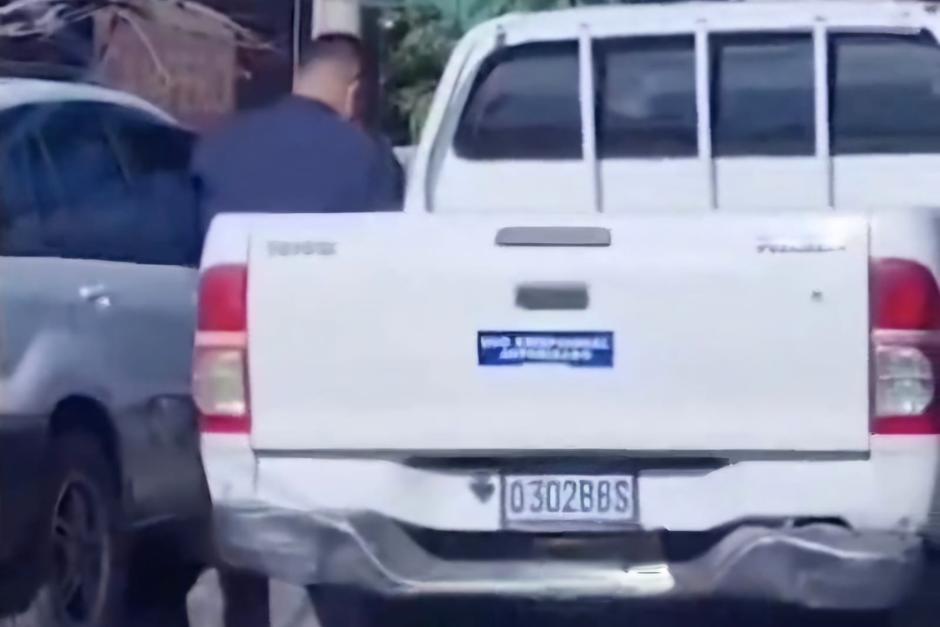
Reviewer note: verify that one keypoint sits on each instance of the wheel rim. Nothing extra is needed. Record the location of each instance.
(80, 551)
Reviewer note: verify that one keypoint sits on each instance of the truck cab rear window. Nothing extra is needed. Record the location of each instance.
(524, 105)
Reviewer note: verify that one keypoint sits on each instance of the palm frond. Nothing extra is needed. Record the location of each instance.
(44, 18)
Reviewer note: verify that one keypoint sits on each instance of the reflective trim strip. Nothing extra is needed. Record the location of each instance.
(222, 339)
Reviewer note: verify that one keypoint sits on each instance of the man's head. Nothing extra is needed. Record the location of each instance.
(331, 71)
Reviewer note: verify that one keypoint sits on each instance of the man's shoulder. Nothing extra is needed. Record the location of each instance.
(302, 119)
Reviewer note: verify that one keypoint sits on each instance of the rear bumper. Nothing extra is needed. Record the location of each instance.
(818, 566)
(314, 519)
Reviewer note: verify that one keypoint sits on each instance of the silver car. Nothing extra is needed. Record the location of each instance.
(99, 238)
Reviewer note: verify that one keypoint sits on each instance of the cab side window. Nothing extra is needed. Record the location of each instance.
(885, 93)
(762, 92)
(646, 98)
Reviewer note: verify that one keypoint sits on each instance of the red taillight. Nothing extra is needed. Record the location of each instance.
(906, 353)
(220, 361)
(906, 296)
(222, 298)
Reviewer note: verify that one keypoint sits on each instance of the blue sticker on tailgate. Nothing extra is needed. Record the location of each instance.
(593, 349)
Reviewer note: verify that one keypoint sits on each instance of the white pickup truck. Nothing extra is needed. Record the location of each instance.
(661, 274)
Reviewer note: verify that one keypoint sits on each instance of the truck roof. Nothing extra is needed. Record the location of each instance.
(21, 91)
(683, 16)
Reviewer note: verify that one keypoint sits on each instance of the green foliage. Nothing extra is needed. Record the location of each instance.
(419, 40)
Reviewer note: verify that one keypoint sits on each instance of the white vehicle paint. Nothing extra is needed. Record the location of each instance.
(774, 324)
(15, 92)
(679, 382)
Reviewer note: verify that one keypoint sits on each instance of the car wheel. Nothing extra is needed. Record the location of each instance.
(86, 573)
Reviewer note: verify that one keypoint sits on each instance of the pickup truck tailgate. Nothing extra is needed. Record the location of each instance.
(684, 334)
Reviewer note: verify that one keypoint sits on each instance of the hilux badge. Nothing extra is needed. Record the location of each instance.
(778, 246)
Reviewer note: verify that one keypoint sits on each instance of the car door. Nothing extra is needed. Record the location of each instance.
(763, 118)
(885, 132)
(158, 286)
(37, 289)
(39, 334)
(122, 226)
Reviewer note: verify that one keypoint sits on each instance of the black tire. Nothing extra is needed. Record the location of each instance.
(159, 582)
(345, 607)
(165, 562)
(86, 552)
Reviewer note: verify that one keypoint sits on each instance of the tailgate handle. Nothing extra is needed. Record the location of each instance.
(552, 296)
(553, 236)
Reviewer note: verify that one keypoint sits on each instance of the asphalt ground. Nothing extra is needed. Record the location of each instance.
(290, 607)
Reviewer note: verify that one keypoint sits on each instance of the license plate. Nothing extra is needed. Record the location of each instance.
(581, 501)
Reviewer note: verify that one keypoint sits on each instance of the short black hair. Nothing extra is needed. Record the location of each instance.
(342, 47)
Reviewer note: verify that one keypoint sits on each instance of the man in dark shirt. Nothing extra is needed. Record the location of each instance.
(309, 152)
(305, 153)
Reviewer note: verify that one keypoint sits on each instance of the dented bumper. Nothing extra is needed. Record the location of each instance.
(817, 566)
